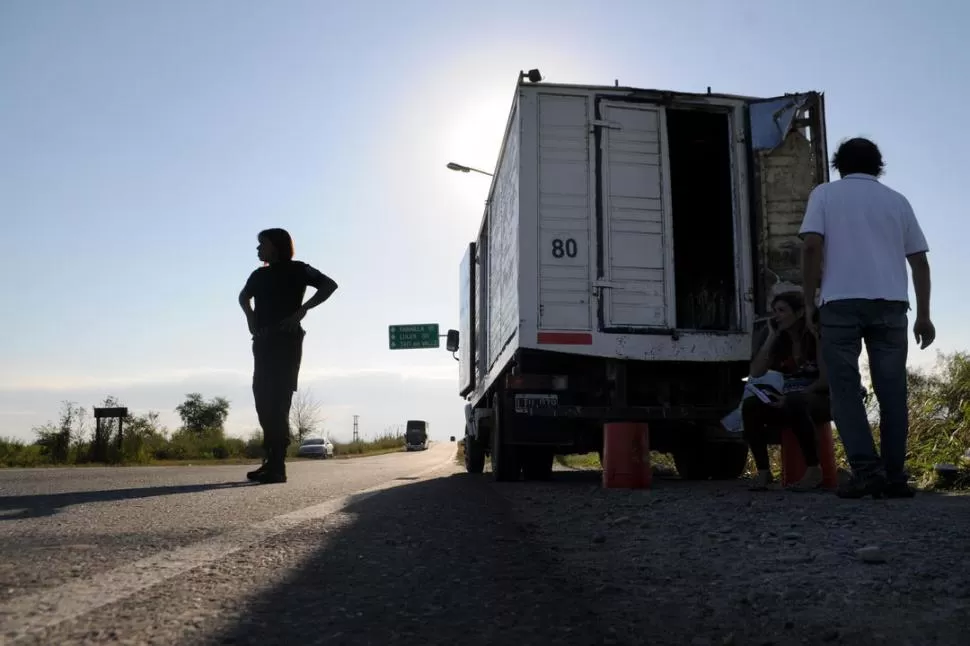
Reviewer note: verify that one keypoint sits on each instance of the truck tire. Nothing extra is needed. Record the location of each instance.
(727, 460)
(712, 460)
(537, 463)
(474, 455)
(506, 462)
(691, 462)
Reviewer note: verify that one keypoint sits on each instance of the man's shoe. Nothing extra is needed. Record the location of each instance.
(860, 487)
(898, 490)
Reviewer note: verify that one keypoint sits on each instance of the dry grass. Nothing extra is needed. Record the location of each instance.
(387, 443)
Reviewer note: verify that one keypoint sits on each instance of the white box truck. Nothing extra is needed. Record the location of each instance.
(631, 241)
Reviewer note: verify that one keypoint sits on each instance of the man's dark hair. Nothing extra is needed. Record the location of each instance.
(281, 240)
(858, 155)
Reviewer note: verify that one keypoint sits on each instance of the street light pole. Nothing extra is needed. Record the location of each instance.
(461, 168)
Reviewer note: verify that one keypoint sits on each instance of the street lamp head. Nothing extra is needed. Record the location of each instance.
(466, 169)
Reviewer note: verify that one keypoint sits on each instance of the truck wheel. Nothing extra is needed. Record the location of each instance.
(506, 463)
(727, 460)
(691, 462)
(537, 463)
(474, 455)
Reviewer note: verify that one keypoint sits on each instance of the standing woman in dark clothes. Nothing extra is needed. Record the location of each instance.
(278, 288)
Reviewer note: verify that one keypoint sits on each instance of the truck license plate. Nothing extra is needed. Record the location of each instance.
(526, 403)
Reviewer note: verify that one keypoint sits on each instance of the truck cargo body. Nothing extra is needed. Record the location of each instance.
(631, 240)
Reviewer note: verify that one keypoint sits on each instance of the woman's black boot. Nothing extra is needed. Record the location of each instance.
(256, 474)
(275, 471)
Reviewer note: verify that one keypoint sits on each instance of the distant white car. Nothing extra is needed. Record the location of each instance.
(315, 447)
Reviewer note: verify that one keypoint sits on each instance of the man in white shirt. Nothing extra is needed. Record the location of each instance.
(863, 233)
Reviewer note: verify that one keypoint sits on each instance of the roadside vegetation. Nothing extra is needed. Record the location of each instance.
(201, 438)
(386, 443)
(939, 402)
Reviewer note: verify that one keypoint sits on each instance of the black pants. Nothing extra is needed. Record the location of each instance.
(800, 413)
(276, 369)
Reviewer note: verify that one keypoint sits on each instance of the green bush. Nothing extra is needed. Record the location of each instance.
(939, 415)
(206, 445)
(14, 453)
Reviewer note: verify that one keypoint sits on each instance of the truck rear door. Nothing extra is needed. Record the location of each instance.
(789, 154)
(636, 257)
(564, 197)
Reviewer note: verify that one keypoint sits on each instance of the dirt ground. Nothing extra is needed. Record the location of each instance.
(713, 563)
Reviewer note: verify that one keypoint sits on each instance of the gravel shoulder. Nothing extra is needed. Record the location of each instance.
(712, 563)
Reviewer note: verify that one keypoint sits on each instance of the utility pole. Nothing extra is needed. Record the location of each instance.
(356, 434)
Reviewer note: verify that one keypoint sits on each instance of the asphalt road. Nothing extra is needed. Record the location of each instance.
(394, 549)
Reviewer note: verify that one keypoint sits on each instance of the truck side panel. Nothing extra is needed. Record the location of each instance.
(481, 308)
(502, 315)
(467, 315)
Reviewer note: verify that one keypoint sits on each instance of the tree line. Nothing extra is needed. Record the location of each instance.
(73, 438)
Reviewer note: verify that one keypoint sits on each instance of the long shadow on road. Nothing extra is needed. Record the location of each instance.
(433, 562)
(33, 506)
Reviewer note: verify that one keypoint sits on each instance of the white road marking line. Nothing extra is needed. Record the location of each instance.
(34, 613)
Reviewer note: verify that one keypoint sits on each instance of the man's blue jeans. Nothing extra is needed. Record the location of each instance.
(843, 325)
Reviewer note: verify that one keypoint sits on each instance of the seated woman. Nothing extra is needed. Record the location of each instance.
(789, 347)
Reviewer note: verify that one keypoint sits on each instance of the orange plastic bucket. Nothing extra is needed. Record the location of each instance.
(793, 462)
(626, 456)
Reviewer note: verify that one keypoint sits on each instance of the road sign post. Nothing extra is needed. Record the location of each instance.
(413, 337)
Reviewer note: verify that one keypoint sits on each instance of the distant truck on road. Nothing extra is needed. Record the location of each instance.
(631, 241)
(416, 435)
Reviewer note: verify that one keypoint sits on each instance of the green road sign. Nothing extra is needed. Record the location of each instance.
(411, 337)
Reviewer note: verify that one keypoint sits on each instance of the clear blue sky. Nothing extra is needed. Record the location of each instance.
(143, 146)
